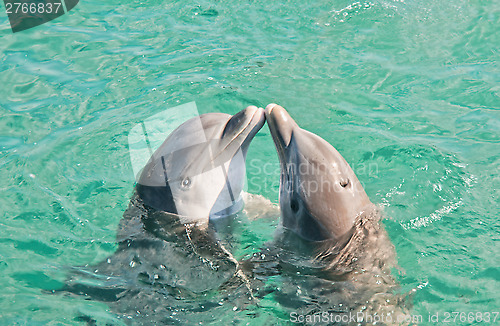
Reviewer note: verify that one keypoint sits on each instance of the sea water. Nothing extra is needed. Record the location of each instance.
(408, 91)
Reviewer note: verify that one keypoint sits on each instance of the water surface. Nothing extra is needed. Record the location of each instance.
(407, 91)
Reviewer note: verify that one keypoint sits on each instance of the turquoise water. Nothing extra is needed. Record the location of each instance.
(407, 91)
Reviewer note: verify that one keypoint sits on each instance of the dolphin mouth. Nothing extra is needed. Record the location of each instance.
(256, 121)
(242, 127)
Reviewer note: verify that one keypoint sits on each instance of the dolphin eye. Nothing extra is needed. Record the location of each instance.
(186, 183)
(344, 183)
(294, 205)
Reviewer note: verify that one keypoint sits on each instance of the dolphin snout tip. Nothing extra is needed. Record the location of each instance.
(270, 107)
(256, 115)
(278, 113)
(280, 124)
(253, 110)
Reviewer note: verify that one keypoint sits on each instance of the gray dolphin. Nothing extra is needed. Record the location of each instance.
(199, 171)
(320, 196)
(166, 257)
(322, 201)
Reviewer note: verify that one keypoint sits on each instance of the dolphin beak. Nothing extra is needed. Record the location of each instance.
(240, 130)
(257, 119)
(252, 121)
(280, 124)
(245, 123)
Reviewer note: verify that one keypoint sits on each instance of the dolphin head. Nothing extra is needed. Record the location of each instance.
(199, 171)
(320, 196)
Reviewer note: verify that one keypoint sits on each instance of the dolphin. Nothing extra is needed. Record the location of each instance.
(324, 204)
(195, 177)
(198, 173)
(320, 196)
(166, 251)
